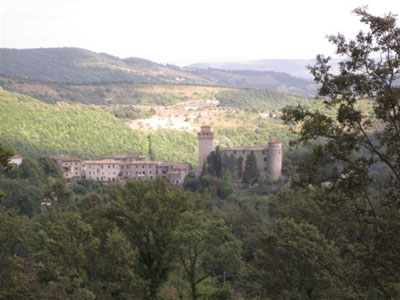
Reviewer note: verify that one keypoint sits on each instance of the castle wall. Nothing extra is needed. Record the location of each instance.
(269, 158)
(259, 152)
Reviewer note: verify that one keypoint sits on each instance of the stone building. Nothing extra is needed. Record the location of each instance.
(269, 157)
(70, 166)
(16, 159)
(118, 167)
(102, 170)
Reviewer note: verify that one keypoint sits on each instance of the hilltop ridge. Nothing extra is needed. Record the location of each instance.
(81, 66)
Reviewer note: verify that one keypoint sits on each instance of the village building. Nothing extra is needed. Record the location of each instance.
(16, 159)
(101, 170)
(70, 166)
(115, 168)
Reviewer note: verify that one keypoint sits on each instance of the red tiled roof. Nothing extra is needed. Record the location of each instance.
(64, 158)
(101, 162)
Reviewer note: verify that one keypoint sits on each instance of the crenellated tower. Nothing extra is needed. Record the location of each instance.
(206, 145)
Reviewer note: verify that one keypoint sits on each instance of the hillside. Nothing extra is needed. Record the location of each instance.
(128, 94)
(35, 128)
(82, 66)
(293, 67)
(275, 81)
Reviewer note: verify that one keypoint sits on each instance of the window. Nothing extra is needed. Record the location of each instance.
(102, 166)
(234, 152)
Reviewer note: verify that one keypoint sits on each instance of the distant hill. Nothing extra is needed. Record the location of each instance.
(80, 66)
(154, 94)
(294, 67)
(77, 65)
(271, 80)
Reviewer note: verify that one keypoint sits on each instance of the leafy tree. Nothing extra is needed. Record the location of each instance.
(214, 163)
(113, 274)
(228, 163)
(206, 248)
(67, 252)
(239, 167)
(5, 155)
(251, 173)
(148, 213)
(350, 146)
(14, 236)
(50, 167)
(21, 195)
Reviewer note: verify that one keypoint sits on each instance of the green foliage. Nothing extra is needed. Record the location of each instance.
(258, 100)
(148, 214)
(81, 66)
(281, 82)
(172, 145)
(251, 172)
(334, 234)
(206, 248)
(37, 129)
(14, 277)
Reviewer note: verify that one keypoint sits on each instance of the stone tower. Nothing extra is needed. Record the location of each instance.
(206, 145)
(274, 159)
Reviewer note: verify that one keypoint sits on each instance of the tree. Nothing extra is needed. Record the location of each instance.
(14, 233)
(5, 155)
(205, 248)
(228, 163)
(251, 173)
(349, 147)
(239, 168)
(214, 163)
(148, 213)
(67, 251)
(50, 167)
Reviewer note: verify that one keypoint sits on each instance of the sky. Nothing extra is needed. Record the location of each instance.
(185, 31)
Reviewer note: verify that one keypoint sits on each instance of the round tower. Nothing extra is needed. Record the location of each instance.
(274, 159)
(206, 145)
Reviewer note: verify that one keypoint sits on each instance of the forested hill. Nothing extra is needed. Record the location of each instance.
(80, 66)
(277, 81)
(77, 65)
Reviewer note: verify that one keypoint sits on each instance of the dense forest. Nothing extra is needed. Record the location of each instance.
(328, 229)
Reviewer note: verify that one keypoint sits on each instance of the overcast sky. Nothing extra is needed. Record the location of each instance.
(184, 31)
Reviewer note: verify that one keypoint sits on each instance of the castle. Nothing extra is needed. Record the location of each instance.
(114, 168)
(269, 158)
